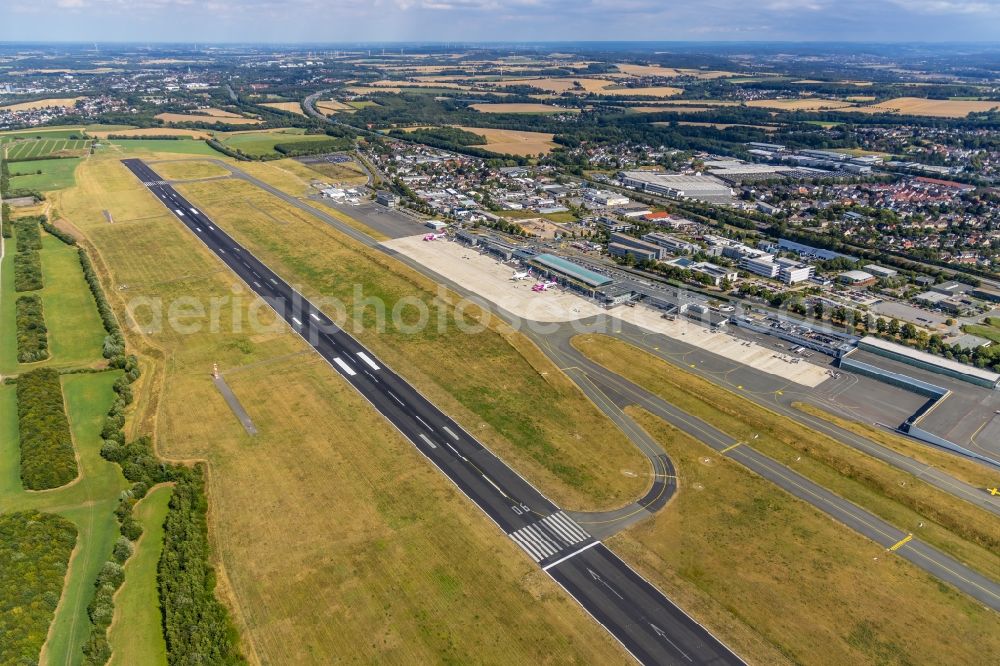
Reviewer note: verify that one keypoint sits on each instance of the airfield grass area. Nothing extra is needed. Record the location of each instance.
(88, 503)
(75, 332)
(347, 174)
(956, 527)
(261, 144)
(188, 169)
(780, 582)
(136, 633)
(390, 562)
(532, 415)
(55, 174)
(137, 147)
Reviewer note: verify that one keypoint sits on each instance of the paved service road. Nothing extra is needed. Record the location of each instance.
(648, 625)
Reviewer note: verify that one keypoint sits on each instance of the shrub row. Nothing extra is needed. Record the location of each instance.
(47, 456)
(6, 230)
(34, 551)
(52, 229)
(29, 236)
(27, 271)
(206, 634)
(32, 336)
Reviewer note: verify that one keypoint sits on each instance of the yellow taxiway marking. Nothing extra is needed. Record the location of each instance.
(739, 387)
(730, 448)
(780, 392)
(902, 542)
(994, 491)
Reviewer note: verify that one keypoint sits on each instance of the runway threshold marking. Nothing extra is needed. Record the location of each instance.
(730, 448)
(902, 542)
(343, 366)
(573, 554)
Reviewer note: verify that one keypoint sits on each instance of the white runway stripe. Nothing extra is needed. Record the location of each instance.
(549, 536)
(343, 366)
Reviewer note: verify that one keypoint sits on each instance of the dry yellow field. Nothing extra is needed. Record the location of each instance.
(221, 113)
(189, 169)
(332, 106)
(204, 118)
(655, 91)
(292, 107)
(413, 84)
(43, 103)
(520, 108)
(671, 72)
(560, 85)
(335, 539)
(152, 131)
(513, 142)
(766, 128)
(799, 104)
(860, 98)
(367, 90)
(669, 109)
(940, 108)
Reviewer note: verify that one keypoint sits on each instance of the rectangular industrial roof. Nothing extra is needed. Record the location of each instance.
(930, 359)
(572, 270)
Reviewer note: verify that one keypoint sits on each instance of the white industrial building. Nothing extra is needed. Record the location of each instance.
(679, 186)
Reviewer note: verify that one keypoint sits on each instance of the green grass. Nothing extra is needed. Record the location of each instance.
(260, 144)
(33, 148)
(186, 146)
(41, 133)
(75, 332)
(107, 128)
(89, 503)
(55, 174)
(822, 123)
(362, 104)
(990, 331)
(136, 636)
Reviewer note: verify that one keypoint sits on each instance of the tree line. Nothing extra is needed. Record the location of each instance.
(48, 459)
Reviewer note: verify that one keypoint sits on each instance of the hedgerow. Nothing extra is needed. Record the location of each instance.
(32, 336)
(27, 271)
(29, 237)
(47, 456)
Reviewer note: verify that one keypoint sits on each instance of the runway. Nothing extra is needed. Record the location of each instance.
(647, 624)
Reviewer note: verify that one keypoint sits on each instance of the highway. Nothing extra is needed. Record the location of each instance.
(640, 617)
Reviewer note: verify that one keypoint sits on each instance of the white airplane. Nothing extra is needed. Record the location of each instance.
(433, 237)
(521, 276)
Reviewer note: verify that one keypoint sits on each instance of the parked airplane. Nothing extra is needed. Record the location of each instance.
(521, 276)
(432, 237)
(543, 286)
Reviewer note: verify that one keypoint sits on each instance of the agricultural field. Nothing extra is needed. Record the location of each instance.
(938, 108)
(800, 104)
(183, 146)
(206, 118)
(65, 102)
(260, 144)
(63, 132)
(561, 85)
(184, 169)
(669, 109)
(413, 559)
(652, 91)
(671, 72)
(513, 142)
(291, 107)
(55, 174)
(414, 84)
(330, 106)
(26, 150)
(521, 108)
(722, 126)
(362, 104)
(150, 131)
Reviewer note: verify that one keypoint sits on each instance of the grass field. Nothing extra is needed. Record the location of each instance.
(61, 132)
(185, 146)
(513, 142)
(291, 107)
(329, 107)
(562, 85)
(782, 583)
(261, 144)
(342, 173)
(42, 104)
(989, 329)
(410, 562)
(55, 174)
(89, 503)
(962, 530)
(136, 634)
(186, 169)
(150, 131)
(671, 72)
(30, 148)
(939, 108)
(205, 118)
(74, 329)
(521, 108)
(650, 91)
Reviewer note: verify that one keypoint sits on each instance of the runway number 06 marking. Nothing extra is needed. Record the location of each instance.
(521, 509)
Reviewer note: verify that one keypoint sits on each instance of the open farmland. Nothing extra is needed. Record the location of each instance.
(409, 562)
(654, 91)
(513, 142)
(671, 72)
(938, 108)
(669, 109)
(290, 107)
(63, 102)
(150, 131)
(521, 108)
(261, 144)
(32, 148)
(800, 104)
(332, 106)
(560, 85)
(206, 119)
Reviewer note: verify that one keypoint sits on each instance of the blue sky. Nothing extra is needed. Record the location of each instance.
(498, 20)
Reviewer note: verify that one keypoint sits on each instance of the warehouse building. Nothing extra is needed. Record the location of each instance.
(856, 278)
(920, 359)
(679, 186)
(646, 248)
